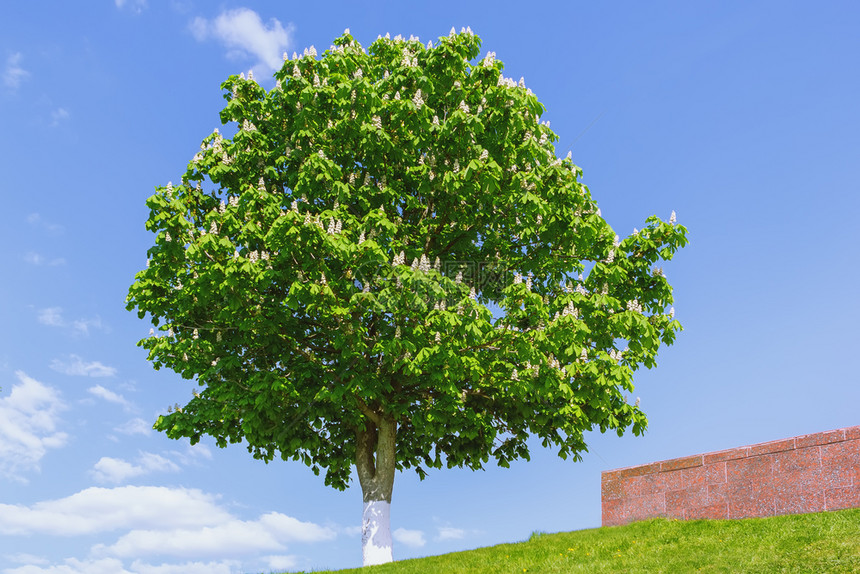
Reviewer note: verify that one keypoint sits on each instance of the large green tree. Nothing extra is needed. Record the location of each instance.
(387, 267)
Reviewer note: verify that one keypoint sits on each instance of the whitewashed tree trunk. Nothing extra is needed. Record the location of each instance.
(376, 545)
(375, 465)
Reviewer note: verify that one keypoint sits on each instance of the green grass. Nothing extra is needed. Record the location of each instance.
(814, 543)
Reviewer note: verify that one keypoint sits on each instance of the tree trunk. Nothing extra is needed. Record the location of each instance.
(375, 465)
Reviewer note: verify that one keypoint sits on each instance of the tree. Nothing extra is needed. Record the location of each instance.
(280, 278)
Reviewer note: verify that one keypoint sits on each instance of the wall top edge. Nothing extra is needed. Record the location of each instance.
(758, 449)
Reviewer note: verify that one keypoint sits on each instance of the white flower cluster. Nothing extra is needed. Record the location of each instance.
(658, 272)
(418, 99)
(484, 155)
(580, 289)
(517, 278)
(248, 126)
(672, 218)
(439, 306)
(464, 107)
(671, 312)
(569, 310)
(583, 356)
(399, 259)
(409, 60)
(634, 306)
(615, 355)
(376, 121)
(310, 52)
(489, 60)
(334, 227)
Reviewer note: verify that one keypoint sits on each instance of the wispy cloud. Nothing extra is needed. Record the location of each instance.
(28, 426)
(245, 35)
(14, 74)
(136, 6)
(53, 317)
(34, 258)
(59, 115)
(74, 365)
(115, 470)
(413, 538)
(36, 220)
(135, 426)
(450, 533)
(110, 396)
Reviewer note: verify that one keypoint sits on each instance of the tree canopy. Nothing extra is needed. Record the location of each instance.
(387, 251)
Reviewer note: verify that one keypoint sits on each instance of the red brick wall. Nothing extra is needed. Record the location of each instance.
(810, 473)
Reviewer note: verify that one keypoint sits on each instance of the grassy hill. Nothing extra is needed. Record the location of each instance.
(814, 543)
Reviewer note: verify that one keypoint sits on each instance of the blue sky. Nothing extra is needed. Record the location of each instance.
(740, 116)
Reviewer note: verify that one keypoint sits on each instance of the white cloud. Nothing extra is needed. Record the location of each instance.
(270, 532)
(74, 566)
(221, 567)
(95, 510)
(115, 566)
(29, 559)
(34, 258)
(136, 426)
(37, 220)
(109, 396)
(413, 538)
(280, 562)
(14, 74)
(28, 426)
(244, 35)
(52, 316)
(116, 470)
(74, 365)
(136, 6)
(449, 533)
(59, 115)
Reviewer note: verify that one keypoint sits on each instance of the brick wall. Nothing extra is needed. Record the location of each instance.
(809, 473)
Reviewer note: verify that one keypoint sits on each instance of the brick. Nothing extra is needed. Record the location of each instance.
(810, 473)
(842, 459)
(640, 470)
(756, 469)
(750, 500)
(797, 500)
(723, 455)
(678, 500)
(612, 513)
(719, 511)
(842, 497)
(680, 463)
(805, 459)
(611, 487)
(772, 446)
(651, 484)
(703, 475)
(642, 507)
(820, 438)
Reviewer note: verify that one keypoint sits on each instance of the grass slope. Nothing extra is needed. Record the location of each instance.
(814, 543)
